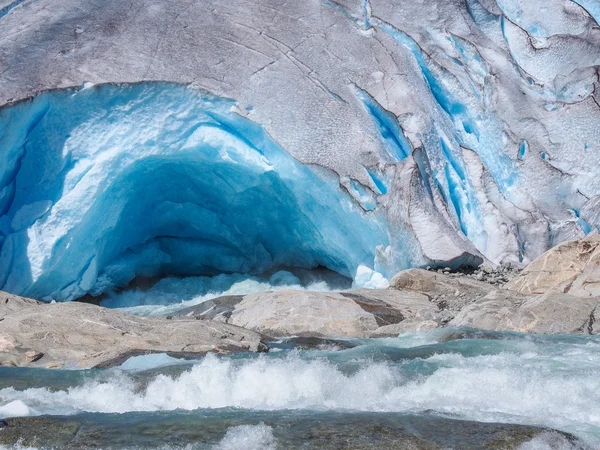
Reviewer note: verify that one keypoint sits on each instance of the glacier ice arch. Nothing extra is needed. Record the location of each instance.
(103, 184)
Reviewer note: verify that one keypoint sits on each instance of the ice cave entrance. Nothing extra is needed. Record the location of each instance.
(101, 185)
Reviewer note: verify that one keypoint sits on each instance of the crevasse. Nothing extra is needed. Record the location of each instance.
(104, 184)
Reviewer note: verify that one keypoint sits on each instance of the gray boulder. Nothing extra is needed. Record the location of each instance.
(360, 313)
(549, 313)
(76, 334)
(448, 292)
(572, 267)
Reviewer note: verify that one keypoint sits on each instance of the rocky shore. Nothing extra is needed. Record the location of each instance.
(559, 292)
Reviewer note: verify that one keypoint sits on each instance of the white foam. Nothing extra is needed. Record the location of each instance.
(15, 408)
(18, 447)
(248, 437)
(529, 388)
(261, 383)
(548, 441)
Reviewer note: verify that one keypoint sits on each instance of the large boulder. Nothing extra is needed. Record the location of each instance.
(451, 292)
(572, 267)
(549, 313)
(360, 313)
(288, 313)
(83, 335)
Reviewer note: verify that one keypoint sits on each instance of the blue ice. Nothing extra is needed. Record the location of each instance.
(104, 184)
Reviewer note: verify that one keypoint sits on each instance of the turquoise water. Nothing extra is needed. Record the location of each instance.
(413, 384)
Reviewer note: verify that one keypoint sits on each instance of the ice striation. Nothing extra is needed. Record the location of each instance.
(365, 136)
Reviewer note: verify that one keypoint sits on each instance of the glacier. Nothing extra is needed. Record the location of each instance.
(99, 188)
(146, 138)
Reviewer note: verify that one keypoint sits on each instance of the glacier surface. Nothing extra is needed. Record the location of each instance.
(359, 135)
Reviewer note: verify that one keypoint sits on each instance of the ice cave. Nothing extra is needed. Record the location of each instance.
(103, 184)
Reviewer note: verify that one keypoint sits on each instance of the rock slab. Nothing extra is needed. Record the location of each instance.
(570, 268)
(74, 334)
(359, 313)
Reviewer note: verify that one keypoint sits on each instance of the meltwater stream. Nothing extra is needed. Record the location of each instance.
(269, 401)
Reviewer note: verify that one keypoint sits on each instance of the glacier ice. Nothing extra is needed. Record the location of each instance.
(436, 132)
(369, 279)
(112, 183)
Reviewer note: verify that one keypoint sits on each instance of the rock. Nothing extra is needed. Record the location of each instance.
(406, 326)
(315, 343)
(10, 303)
(294, 313)
(307, 430)
(34, 356)
(427, 282)
(550, 313)
(486, 268)
(291, 313)
(456, 291)
(218, 309)
(571, 267)
(85, 335)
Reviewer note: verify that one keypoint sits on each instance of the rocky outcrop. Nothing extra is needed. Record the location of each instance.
(417, 300)
(359, 313)
(476, 304)
(569, 268)
(76, 334)
(557, 293)
(549, 313)
(447, 291)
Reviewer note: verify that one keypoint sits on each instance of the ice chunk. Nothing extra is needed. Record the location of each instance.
(369, 279)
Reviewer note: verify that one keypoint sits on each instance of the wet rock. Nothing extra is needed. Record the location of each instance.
(306, 430)
(219, 309)
(315, 343)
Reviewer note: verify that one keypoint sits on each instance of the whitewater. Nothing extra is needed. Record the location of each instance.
(548, 381)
